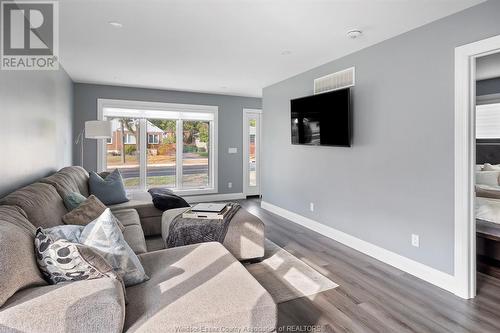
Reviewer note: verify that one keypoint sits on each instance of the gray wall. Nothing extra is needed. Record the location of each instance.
(36, 126)
(230, 123)
(397, 179)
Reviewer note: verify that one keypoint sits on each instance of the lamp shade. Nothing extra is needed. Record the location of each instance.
(98, 129)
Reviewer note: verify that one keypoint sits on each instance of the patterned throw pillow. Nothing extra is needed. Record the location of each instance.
(104, 235)
(68, 232)
(61, 260)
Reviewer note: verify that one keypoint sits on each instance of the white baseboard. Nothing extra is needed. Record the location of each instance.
(424, 272)
(214, 197)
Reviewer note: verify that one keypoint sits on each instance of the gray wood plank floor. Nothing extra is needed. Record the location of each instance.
(372, 296)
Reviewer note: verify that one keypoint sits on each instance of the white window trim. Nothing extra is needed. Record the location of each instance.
(110, 142)
(147, 107)
(127, 141)
(154, 136)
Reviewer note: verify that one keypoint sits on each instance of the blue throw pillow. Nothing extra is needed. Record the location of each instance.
(73, 200)
(109, 190)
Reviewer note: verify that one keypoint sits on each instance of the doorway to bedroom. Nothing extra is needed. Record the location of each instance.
(487, 169)
(468, 172)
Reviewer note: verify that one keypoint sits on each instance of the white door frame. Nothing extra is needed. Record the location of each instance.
(245, 148)
(465, 151)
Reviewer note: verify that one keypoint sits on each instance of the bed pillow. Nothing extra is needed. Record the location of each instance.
(487, 177)
(73, 200)
(487, 209)
(486, 191)
(63, 261)
(105, 236)
(110, 189)
(490, 167)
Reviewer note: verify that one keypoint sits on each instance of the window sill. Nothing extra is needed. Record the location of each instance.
(195, 191)
(136, 193)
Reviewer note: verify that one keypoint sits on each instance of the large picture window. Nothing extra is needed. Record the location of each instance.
(161, 145)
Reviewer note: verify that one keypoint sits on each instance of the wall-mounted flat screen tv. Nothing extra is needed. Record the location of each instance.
(322, 119)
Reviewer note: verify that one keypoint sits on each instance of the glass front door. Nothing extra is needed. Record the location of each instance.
(252, 130)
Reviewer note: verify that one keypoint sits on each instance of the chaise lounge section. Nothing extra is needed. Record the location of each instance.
(196, 287)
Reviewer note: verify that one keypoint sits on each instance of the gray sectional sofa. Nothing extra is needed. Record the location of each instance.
(191, 288)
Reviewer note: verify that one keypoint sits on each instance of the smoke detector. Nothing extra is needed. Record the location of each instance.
(353, 34)
(115, 24)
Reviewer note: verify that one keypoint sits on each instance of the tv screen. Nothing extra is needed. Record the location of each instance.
(322, 120)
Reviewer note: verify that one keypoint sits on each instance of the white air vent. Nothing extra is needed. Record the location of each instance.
(338, 80)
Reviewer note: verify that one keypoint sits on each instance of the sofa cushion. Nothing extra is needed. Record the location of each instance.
(132, 231)
(41, 202)
(69, 179)
(18, 267)
(144, 208)
(84, 306)
(199, 286)
(150, 216)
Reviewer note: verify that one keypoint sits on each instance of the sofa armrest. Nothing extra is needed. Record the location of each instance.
(84, 306)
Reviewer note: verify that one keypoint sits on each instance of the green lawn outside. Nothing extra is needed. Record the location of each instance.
(188, 181)
(151, 181)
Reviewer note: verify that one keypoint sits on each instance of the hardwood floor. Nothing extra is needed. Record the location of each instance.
(372, 296)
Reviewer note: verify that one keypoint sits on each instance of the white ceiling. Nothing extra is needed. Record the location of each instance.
(225, 46)
(488, 67)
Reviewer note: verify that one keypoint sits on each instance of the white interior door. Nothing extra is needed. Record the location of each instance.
(252, 122)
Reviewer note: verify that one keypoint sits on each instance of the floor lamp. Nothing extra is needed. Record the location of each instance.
(94, 129)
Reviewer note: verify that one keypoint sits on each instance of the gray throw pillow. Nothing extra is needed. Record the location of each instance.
(110, 190)
(88, 211)
(105, 236)
(73, 200)
(62, 261)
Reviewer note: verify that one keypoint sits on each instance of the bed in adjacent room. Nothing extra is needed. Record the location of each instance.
(487, 213)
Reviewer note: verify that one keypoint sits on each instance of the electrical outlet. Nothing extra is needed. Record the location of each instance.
(229, 185)
(415, 240)
(311, 206)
